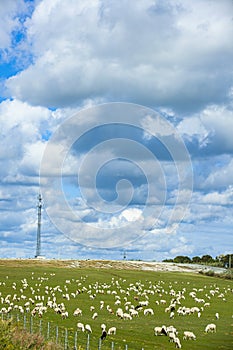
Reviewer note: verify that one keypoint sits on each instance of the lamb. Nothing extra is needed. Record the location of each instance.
(112, 330)
(211, 327)
(189, 335)
(217, 316)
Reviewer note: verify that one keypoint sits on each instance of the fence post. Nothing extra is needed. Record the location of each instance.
(48, 330)
(100, 343)
(40, 326)
(57, 334)
(66, 338)
(88, 341)
(24, 321)
(126, 347)
(112, 348)
(31, 325)
(75, 340)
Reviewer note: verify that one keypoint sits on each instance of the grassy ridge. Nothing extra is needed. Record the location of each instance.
(138, 332)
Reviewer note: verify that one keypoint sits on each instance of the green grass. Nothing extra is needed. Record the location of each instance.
(137, 333)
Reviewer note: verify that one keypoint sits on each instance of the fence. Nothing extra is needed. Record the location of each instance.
(67, 338)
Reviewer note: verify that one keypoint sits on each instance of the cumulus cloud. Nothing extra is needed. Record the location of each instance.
(171, 55)
(181, 52)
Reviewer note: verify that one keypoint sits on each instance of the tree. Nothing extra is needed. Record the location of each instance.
(182, 259)
(207, 259)
(196, 259)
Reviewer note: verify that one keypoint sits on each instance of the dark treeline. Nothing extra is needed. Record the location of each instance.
(220, 261)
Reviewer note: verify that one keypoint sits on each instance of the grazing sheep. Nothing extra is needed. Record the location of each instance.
(127, 316)
(217, 316)
(172, 314)
(148, 312)
(211, 327)
(77, 312)
(189, 335)
(103, 327)
(88, 328)
(160, 330)
(177, 343)
(80, 326)
(112, 330)
(103, 335)
(172, 337)
(171, 329)
(94, 316)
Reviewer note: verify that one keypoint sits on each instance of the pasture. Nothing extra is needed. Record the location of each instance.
(27, 285)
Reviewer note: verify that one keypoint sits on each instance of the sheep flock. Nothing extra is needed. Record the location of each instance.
(143, 307)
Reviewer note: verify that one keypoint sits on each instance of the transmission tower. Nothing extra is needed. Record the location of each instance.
(38, 242)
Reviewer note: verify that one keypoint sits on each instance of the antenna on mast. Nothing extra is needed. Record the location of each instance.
(38, 242)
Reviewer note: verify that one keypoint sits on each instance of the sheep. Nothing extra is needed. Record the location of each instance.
(148, 312)
(127, 316)
(177, 343)
(172, 336)
(77, 312)
(64, 314)
(217, 316)
(94, 316)
(171, 329)
(112, 330)
(160, 330)
(211, 327)
(103, 335)
(172, 314)
(103, 327)
(88, 328)
(80, 326)
(119, 313)
(189, 335)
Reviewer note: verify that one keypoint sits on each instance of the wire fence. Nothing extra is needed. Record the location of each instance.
(67, 338)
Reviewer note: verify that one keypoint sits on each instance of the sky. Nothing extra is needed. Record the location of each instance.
(120, 113)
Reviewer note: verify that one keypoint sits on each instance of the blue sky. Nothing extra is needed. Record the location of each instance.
(71, 77)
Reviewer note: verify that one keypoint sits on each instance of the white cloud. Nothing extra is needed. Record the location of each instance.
(96, 50)
(9, 12)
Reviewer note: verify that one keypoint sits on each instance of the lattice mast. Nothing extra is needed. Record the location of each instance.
(38, 241)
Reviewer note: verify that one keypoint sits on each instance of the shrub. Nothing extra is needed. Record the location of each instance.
(14, 338)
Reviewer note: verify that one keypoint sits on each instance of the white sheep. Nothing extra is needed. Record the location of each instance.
(103, 327)
(127, 316)
(172, 314)
(112, 330)
(189, 335)
(94, 316)
(217, 316)
(177, 343)
(148, 312)
(80, 326)
(160, 330)
(172, 336)
(211, 327)
(77, 312)
(88, 328)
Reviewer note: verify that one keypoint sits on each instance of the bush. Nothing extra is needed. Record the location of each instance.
(14, 338)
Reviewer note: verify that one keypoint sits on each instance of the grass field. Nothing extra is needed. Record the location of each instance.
(96, 285)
